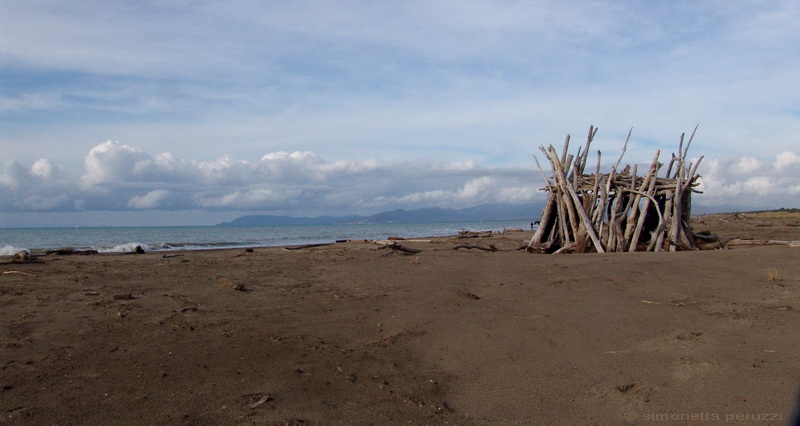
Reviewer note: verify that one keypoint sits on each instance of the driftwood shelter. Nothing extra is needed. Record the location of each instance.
(623, 210)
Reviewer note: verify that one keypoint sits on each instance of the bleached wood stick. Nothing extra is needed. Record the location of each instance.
(567, 213)
(544, 221)
(596, 181)
(624, 148)
(657, 239)
(686, 151)
(586, 221)
(680, 153)
(669, 167)
(677, 207)
(547, 213)
(578, 206)
(635, 237)
(560, 177)
(589, 139)
(653, 200)
(564, 151)
(633, 218)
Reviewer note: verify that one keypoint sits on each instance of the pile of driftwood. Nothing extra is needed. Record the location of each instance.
(617, 211)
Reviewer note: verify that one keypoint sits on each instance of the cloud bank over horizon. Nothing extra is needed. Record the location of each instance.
(124, 178)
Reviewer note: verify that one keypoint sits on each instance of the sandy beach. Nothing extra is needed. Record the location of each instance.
(352, 333)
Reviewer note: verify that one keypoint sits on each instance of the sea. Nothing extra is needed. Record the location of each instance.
(177, 238)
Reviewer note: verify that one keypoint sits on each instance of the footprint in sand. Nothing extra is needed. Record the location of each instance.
(624, 393)
(691, 368)
(685, 340)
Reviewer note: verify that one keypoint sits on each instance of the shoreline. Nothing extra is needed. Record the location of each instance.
(166, 239)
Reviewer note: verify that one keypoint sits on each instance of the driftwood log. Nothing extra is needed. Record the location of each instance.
(399, 248)
(619, 210)
(490, 247)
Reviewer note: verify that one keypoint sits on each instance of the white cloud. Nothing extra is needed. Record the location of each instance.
(747, 181)
(111, 162)
(44, 169)
(255, 198)
(747, 165)
(150, 200)
(40, 202)
(13, 175)
(786, 159)
(485, 189)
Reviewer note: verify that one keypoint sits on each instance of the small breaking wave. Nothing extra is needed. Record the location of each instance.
(8, 250)
(123, 248)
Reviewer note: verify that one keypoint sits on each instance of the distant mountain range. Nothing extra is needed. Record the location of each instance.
(525, 212)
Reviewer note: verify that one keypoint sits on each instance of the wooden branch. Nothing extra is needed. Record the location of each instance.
(686, 151)
(624, 148)
(741, 242)
(564, 151)
(588, 223)
(305, 246)
(490, 247)
(545, 221)
(400, 248)
(640, 223)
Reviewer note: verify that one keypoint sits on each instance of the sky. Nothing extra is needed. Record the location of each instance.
(195, 112)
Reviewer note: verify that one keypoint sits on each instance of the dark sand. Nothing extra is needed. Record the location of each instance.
(344, 334)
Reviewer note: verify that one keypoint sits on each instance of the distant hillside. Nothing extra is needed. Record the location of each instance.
(526, 212)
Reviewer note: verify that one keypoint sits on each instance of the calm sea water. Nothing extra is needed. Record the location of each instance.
(125, 239)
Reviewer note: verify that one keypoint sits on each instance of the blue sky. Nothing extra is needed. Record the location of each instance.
(115, 112)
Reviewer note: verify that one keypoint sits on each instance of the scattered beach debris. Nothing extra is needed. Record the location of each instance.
(745, 242)
(21, 256)
(176, 313)
(305, 246)
(490, 247)
(169, 256)
(469, 295)
(229, 283)
(123, 296)
(264, 399)
(69, 252)
(390, 242)
(618, 211)
(20, 273)
(398, 248)
(474, 234)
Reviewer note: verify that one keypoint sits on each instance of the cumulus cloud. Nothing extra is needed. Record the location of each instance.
(150, 200)
(750, 182)
(111, 162)
(485, 189)
(42, 186)
(246, 199)
(41, 202)
(786, 159)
